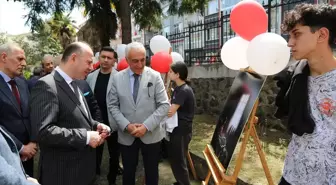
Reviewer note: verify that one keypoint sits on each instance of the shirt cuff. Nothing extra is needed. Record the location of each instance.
(21, 148)
(146, 127)
(87, 138)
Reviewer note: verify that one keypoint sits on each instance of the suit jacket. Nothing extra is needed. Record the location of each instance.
(13, 119)
(91, 100)
(92, 79)
(32, 81)
(11, 170)
(65, 159)
(150, 107)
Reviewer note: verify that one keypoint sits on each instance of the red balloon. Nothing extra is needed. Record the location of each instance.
(248, 19)
(96, 65)
(122, 64)
(161, 61)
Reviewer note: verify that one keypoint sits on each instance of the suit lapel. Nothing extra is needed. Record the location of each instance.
(66, 88)
(127, 81)
(6, 90)
(23, 95)
(94, 79)
(109, 85)
(143, 83)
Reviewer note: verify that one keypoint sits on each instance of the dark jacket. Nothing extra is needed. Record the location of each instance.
(292, 100)
(91, 100)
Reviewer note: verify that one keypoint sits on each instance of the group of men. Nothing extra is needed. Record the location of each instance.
(55, 116)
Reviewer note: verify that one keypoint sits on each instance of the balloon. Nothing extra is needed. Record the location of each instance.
(268, 54)
(161, 62)
(159, 43)
(121, 50)
(248, 19)
(122, 64)
(233, 53)
(97, 54)
(96, 65)
(177, 57)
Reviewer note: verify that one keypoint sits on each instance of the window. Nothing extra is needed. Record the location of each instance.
(212, 7)
(166, 30)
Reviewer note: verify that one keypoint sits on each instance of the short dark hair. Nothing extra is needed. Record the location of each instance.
(180, 68)
(109, 49)
(69, 50)
(315, 16)
(37, 71)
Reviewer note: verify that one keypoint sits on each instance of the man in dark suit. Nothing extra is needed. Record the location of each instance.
(14, 108)
(11, 171)
(67, 134)
(37, 72)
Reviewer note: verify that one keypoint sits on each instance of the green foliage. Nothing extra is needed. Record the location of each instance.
(35, 45)
(26, 74)
(147, 13)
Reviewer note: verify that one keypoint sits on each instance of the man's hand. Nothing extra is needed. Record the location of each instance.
(131, 128)
(95, 139)
(170, 114)
(140, 130)
(104, 130)
(28, 151)
(33, 180)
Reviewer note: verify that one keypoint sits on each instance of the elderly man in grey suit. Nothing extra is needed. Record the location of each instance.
(67, 134)
(100, 82)
(138, 102)
(11, 170)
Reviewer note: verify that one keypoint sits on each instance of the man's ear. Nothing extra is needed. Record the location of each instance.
(323, 35)
(3, 56)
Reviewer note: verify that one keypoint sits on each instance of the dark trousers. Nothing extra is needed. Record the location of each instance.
(283, 182)
(28, 166)
(114, 152)
(150, 155)
(177, 155)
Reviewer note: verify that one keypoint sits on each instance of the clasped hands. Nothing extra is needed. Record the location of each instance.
(98, 137)
(136, 129)
(28, 151)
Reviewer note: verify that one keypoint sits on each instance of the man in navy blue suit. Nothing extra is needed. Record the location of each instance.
(14, 109)
(11, 171)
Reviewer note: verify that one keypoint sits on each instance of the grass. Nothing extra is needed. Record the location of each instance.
(274, 144)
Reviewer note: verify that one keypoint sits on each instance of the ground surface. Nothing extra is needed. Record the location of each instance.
(274, 144)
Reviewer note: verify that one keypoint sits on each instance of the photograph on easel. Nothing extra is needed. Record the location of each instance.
(236, 111)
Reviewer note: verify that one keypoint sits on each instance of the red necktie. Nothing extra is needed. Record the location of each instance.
(15, 91)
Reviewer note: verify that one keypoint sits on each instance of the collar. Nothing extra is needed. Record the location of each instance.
(66, 77)
(131, 73)
(5, 77)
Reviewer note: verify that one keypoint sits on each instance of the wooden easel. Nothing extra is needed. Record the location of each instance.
(216, 169)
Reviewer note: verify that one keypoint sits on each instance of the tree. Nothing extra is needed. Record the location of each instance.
(145, 12)
(62, 28)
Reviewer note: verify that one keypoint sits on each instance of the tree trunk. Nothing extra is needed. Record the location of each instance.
(125, 17)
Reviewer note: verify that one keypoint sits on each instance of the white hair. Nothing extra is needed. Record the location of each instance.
(9, 47)
(134, 45)
(46, 57)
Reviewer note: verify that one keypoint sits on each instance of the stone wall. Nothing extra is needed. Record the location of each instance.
(212, 89)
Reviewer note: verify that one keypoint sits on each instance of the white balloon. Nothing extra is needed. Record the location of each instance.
(97, 54)
(121, 50)
(177, 57)
(233, 53)
(159, 43)
(268, 54)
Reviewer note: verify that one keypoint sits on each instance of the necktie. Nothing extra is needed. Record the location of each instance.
(15, 91)
(135, 86)
(75, 87)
